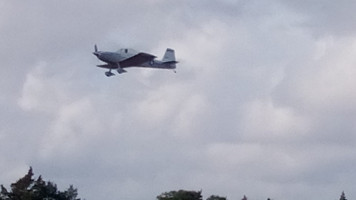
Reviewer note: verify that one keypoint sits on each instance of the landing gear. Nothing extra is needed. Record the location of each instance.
(120, 70)
(109, 73)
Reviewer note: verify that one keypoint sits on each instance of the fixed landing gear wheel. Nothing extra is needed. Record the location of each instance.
(108, 74)
(120, 70)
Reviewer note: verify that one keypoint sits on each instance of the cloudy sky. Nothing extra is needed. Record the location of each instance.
(263, 103)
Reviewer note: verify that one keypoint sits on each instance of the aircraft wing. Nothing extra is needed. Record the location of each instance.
(136, 60)
(108, 66)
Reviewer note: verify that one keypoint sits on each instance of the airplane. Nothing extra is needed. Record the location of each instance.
(124, 58)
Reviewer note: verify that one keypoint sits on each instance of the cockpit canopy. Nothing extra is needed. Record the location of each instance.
(127, 51)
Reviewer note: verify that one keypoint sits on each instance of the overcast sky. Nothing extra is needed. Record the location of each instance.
(263, 103)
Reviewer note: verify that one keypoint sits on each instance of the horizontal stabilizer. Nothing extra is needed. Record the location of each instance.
(171, 62)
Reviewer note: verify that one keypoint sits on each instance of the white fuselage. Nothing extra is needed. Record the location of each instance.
(111, 57)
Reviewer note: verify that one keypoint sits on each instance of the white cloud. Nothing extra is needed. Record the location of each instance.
(75, 124)
(41, 93)
(157, 106)
(264, 121)
(191, 115)
(325, 82)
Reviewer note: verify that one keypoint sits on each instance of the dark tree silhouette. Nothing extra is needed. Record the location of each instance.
(343, 197)
(26, 188)
(180, 195)
(215, 197)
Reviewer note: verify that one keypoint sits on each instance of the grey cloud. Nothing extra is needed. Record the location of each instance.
(326, 17)
(247, 112)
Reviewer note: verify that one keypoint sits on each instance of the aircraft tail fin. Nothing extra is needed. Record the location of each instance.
(169, 56)
(95, 48)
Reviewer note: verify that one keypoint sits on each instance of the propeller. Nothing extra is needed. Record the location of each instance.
(96, 50)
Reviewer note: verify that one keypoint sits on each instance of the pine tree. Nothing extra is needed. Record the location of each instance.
(343, 197)
(21, 189)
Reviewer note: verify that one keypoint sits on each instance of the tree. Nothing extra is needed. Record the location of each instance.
(3, 193)
(343, 197)
(180, 195)
(27, 188)
(215, 197)
(71, 193)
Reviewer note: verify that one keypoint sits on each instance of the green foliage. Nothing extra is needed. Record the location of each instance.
(180, 195)
(27, 188)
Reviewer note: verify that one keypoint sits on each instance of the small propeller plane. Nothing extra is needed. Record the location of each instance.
(124, 58)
